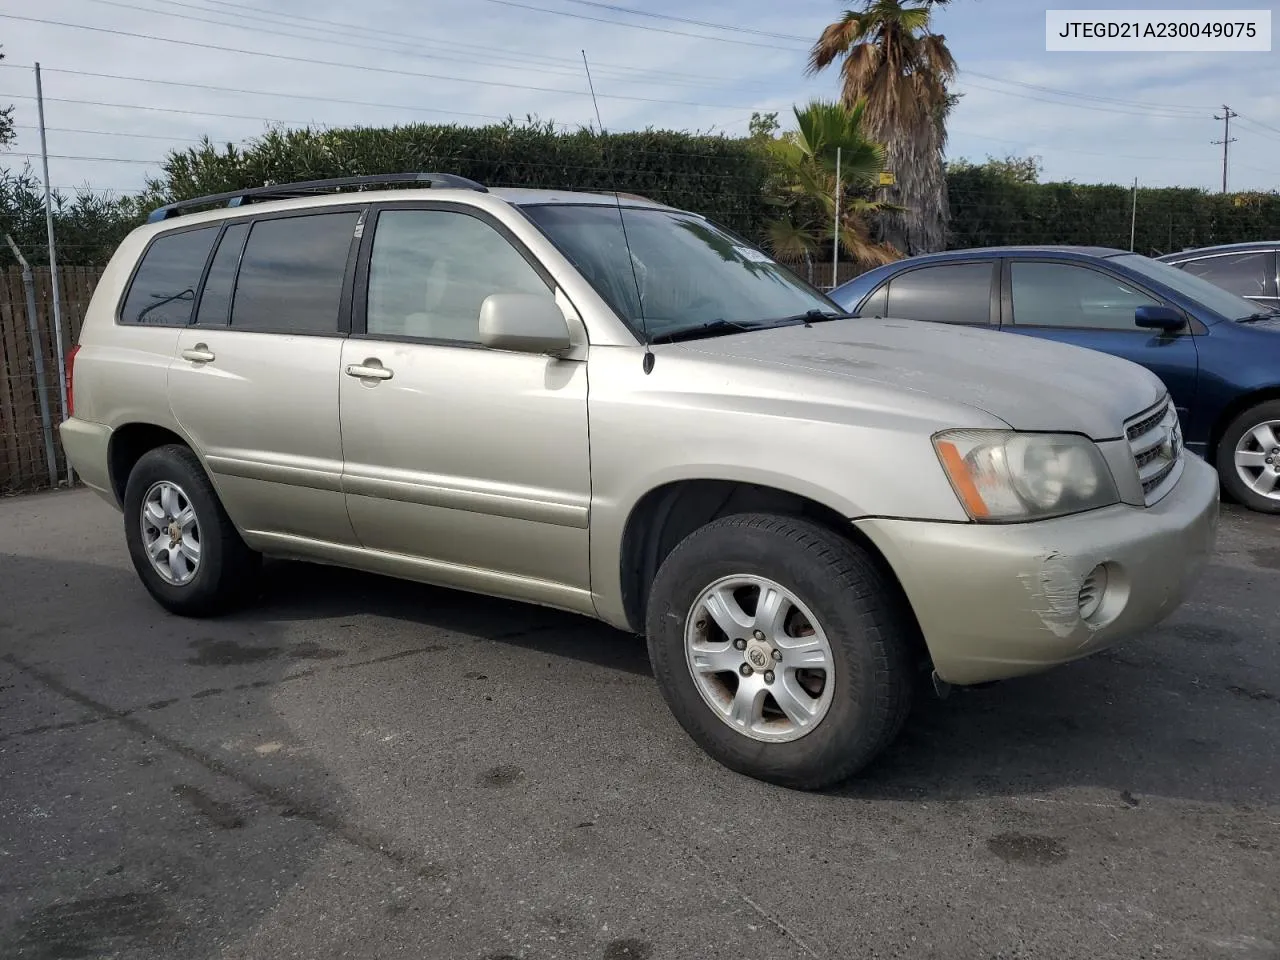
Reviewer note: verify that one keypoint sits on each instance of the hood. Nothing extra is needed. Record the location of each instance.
(1030, 384)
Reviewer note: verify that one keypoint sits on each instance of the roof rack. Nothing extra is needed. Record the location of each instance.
(281, 191)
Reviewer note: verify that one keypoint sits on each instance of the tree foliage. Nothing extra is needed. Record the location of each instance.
(891, 59)
(826, 153)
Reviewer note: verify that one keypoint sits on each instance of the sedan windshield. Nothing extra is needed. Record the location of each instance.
(693, 279)
(1222, 302)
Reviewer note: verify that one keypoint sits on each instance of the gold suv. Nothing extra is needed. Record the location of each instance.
(613, 407)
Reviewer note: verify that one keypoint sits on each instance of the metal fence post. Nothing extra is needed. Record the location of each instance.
(53, 265)
(37, 355)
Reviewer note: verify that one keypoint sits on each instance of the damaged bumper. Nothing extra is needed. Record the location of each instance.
(1000, 601)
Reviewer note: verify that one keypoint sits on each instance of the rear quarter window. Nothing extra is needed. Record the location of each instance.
(163, 289)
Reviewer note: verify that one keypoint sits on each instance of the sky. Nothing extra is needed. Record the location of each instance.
(120, 95)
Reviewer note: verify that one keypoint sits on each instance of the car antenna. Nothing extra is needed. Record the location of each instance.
(644, 327)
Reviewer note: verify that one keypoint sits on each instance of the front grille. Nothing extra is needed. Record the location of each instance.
(1155, 440)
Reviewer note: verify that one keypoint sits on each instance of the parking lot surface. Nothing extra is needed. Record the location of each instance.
(358, 767)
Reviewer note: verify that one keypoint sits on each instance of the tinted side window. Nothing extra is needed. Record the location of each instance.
(430, 271)
(950, 293)
(291, 274)
(874, 305)
(164, 288)
(215, 301)
(1066, 295)
(1244, 274)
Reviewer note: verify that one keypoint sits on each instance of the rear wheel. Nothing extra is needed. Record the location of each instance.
(183, 545)
(1249, 458)
(781, 648)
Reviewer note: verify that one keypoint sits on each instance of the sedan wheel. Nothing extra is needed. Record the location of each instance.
(1248, 458)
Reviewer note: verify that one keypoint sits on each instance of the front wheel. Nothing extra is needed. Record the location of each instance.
(781, 648)
(1249, 458)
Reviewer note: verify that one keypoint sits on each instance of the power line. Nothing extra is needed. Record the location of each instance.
(140, 106)
(264, 93)
(344, 40)
(1190, 111)
(106, 133)
(1085, 153)
(63, 156)
(635, 26)
(696, 23)
(1099, 108)
(1256, 123)
(362, 67)
(484, 53)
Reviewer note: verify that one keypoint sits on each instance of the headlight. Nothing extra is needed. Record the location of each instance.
(1002, 476)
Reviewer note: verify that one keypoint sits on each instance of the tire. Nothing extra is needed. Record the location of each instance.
(868, 628)
(1240, 434)
(224, 571)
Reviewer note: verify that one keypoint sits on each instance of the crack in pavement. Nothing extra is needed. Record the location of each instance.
(240, 687)
(286, 802)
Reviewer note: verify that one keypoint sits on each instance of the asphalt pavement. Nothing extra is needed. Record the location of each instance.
(359, 767)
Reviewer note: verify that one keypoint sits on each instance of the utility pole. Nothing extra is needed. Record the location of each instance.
(1226, 140)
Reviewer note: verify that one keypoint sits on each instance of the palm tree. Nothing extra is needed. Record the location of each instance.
(807, 169)
(893, 61)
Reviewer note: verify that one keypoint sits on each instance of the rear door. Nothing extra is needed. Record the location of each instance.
(255, 380)
(1082, 304)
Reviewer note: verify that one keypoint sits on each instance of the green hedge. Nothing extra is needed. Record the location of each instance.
(721, 177)
(988, 209)
(725, 178)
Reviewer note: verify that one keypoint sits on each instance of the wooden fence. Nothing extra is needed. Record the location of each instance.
(23, 463)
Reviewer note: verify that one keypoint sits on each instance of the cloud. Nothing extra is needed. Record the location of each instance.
(470, 60)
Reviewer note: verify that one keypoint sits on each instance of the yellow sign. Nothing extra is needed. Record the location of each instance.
(887, 179)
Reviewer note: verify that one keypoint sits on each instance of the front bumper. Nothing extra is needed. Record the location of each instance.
(999, 601)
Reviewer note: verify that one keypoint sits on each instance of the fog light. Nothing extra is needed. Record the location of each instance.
(1092, 592)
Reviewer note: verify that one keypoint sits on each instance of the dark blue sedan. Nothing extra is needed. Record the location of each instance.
(1218, 353)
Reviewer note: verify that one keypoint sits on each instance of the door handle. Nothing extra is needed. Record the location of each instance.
(200, 353)
(369, 370)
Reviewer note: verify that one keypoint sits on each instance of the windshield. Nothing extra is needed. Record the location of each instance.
(691, 274)
(1220, 301)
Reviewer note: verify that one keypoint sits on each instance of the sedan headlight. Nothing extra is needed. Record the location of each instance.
(1002, 476)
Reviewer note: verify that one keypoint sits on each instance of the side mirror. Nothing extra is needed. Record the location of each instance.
(524, 322)
(1159, 318)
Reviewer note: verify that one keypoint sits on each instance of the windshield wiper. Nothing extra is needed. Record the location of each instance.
(1261, 315)
(721, 327)
(716, 328)
(814, 316)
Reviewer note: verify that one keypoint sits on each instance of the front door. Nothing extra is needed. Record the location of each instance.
(255, 380)
(468, 466)
(1081, 304)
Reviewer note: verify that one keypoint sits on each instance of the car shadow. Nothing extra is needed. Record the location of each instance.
(1171, 713)
(293, 590)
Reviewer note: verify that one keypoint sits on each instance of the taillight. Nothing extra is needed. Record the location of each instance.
(71, 382)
